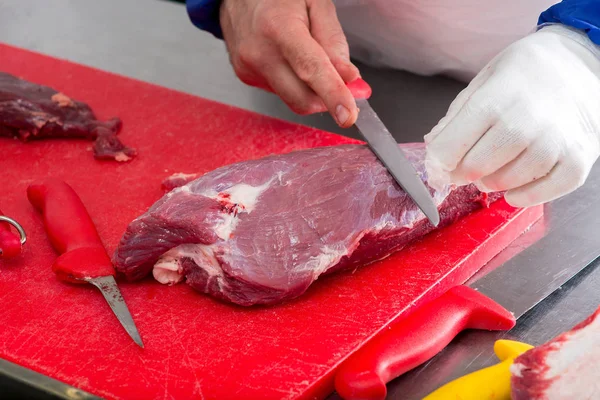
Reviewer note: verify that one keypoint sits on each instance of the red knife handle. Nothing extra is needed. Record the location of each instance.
(409, 342)
(71, 232)
(360, 89)
(10, 242)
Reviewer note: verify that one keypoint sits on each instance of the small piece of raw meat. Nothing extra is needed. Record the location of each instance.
(566, 368)
(262, 231)
(30, 111)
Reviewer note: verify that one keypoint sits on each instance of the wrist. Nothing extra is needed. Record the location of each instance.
(204, 14)
(577, 35)
(581, 15)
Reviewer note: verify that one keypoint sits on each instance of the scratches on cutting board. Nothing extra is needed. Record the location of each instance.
(193, 366)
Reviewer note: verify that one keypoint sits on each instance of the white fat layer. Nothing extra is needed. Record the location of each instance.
(385, 220)
(573, 366)
(326, 259)
(167, 270)
(516, 370)
(182, 175)
(184, 188)
(226, 225)
(169, 263)
(245, 196)
(410, 217)
(242, 194)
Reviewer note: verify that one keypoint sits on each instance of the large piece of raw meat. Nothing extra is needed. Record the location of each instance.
(30, 111)
(261, 231)
(566, 368)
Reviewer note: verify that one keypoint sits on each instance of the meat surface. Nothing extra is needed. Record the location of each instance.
(178, 179)
(262, 231)
(30, 111)
(565, 368)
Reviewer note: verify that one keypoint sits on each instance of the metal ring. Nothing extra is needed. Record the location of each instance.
(17, 226)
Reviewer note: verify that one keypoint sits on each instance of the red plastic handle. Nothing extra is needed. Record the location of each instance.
(71, 232)
(10, 242)
(360, 89)
(410, 341)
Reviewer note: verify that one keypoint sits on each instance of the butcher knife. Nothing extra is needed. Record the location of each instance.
(83, 257)
(490, 301)
(385, 147)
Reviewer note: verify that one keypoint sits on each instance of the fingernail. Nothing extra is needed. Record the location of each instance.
(342, 114)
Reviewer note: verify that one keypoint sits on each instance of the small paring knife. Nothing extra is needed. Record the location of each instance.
(83, 258)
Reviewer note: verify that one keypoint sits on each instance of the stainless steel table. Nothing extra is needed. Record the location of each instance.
(154, 41)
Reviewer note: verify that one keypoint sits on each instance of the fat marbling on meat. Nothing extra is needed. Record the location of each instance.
(30, 111)
(565, 368)
(262, 231)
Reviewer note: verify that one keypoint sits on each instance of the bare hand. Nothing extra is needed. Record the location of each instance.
(294, 48)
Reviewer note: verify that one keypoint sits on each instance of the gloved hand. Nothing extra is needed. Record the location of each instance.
(294, 48)
(528, 123)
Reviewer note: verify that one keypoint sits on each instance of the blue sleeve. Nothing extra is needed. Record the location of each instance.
(578, 14)
(204, 14)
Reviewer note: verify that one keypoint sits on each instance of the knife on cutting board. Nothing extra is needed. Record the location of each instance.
(385, 147)
(83, 258)
(493, 301)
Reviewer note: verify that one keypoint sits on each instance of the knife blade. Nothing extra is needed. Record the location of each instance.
(83, 258)
(109, 289)
(385, 147)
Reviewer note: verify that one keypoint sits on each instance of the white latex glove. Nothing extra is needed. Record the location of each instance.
(528, 123)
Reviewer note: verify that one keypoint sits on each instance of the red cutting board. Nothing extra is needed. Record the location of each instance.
(196, 347)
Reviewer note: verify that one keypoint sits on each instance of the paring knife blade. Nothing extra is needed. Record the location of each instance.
(108, 286)
(385, 147)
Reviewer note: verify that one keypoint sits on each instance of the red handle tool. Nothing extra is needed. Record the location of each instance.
(360, 89)
(410, 341)
(10, 243)
(83, 257)
(71, 232)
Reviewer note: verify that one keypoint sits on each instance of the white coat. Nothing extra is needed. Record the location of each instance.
(456, 38)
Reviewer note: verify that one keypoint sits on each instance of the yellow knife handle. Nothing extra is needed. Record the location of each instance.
(491, 383)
